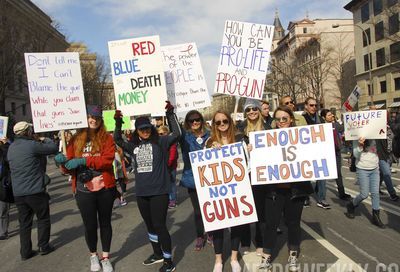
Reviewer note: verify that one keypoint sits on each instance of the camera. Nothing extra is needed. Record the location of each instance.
(85, 174)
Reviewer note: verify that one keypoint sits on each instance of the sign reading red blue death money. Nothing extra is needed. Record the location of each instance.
(293, 154)
(368, 124)
(223, 187)
(244, 58)
(352, 100)
(138, 75)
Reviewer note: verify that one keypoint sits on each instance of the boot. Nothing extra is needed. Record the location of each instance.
(376, 220)
(350, 210)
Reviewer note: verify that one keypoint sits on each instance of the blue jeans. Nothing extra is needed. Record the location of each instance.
(320, 190)
(369, 183)
(172, 194)
(384, 168)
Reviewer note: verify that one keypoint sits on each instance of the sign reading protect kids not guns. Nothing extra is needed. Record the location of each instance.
(186, 86)
(138, 75)
(223, 187)
(293, 154)
(367, 124)
(244, 59)
(55, 91)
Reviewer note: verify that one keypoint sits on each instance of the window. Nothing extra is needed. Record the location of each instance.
(391, 2)
(377, 7)
(365, 13)
(24, 109)
(366, 62)
(369, 89)
(394, 24)
(304, 30)
(379, 32)
(383, 86)
(397, 83)
(380, 57)
(368, 34)
(395, 52)
(13, 107)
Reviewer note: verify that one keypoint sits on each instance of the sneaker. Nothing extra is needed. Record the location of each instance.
(394, 197)
(218, 267)
(152, 259)
(381, 192)
(4, 237)
(210, 240)
(107, 266)
(307, 203)
(199, 243)
(345, 196)
(393, 171)
(172, 204)
(46, 250)
(94, 263)
(323, 205)
(235, 266)
(292, 261)
(123, 202)
(266, 263)
(33, 253)
(117, 203)
(167, 267)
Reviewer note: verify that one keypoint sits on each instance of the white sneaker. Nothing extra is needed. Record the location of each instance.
(292, 261)
(107, 266)
(94, 263)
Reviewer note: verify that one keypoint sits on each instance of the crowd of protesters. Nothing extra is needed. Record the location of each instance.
(97, 162)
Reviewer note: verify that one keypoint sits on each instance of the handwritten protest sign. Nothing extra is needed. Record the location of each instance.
(367, 124)
(138, 75)
(244, 57)
(223, 187)
(3, 126)
(352, 100)
(293, 154)
(55, 91)
(109, 122)
(186, 86)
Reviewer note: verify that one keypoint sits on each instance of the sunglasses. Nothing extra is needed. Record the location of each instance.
(219, 122)
(289, 102)
(282, 119)
(312, 105)
(251, 109)
(198, 120)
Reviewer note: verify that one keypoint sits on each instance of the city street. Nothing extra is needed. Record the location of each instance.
(331, 241)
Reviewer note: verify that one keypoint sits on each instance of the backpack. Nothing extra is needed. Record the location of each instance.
(352, 163)
(6, 192)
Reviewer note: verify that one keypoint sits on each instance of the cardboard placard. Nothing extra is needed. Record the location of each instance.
(3, 126)
(368, 124)
(109, 122)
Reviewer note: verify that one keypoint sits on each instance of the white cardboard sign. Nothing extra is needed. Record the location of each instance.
(3, 126)
(368, 124)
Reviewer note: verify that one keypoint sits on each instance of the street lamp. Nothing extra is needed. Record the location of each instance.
(369, 57)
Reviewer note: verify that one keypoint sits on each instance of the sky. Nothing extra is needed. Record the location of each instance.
(95, 22)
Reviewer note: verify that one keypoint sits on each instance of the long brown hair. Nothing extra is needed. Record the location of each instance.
(288, 111)
(216, 134)
(97, 137)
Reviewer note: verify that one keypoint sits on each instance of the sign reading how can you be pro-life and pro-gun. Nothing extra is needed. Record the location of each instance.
(223, 187)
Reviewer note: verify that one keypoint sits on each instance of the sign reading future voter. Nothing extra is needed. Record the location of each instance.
(55, 91)
(367, 124)
(186, 86)
(293, 154)
(138, 75)
(223, 187)
(243, 60)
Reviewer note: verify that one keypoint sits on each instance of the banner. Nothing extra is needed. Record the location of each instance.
(244, 58)
(223, 187)
(55, 91)
(368, 124)
(109, 122)
(186, 86)
(3, 126)
(352, 100)
(138, 75)
(293, 154)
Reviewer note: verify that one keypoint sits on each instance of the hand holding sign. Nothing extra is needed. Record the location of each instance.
(118, 119)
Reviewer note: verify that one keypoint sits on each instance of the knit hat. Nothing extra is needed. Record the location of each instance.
(142, 122)
(21, 127)
(94, 110)
(250, 102)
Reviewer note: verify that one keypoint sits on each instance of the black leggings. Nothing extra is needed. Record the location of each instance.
(218, 238)
(198, 221)
(154, 213)
(97, 207)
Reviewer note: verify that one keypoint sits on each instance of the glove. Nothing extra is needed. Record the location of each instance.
(169, 108)
(74, 163)
(60, 158)
(118, 119)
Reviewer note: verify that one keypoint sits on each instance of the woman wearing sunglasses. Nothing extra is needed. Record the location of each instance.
(194, 136)
(286, 199)
(223, 133)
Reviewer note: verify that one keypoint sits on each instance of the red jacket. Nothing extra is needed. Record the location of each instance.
(173, 157)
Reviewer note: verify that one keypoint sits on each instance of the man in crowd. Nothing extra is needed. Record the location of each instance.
(265, 112)
(289, 102)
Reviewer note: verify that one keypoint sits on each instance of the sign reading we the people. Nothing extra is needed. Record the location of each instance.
(186, 86)
(223, 187)
(352, 100)
(293, 154)
(244, 59)
(368, 124)
(138, 75)
(56, 91)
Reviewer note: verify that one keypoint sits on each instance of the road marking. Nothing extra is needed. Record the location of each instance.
(350, 178)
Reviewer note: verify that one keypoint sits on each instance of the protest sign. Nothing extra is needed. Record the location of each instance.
(367, 124)
(109, 122)
(186, 86)
(55, 91)
(223, 187)
(352, 100)
(293, 154)
(3, 126)
(138, 75)
(244, 58)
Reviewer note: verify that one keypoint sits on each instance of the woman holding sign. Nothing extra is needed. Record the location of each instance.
(149, 153)
(223, 133)
(286, 199)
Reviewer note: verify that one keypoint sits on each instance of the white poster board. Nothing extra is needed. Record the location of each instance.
(55, 91)
(368, 124)
(352, 100)
(244, 58)
(186, 86)
(223, 187)
(138, 75)
(3, 126)
(293, 154)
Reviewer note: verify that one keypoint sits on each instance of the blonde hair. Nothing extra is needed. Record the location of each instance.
(256, 125)
(163, 129)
